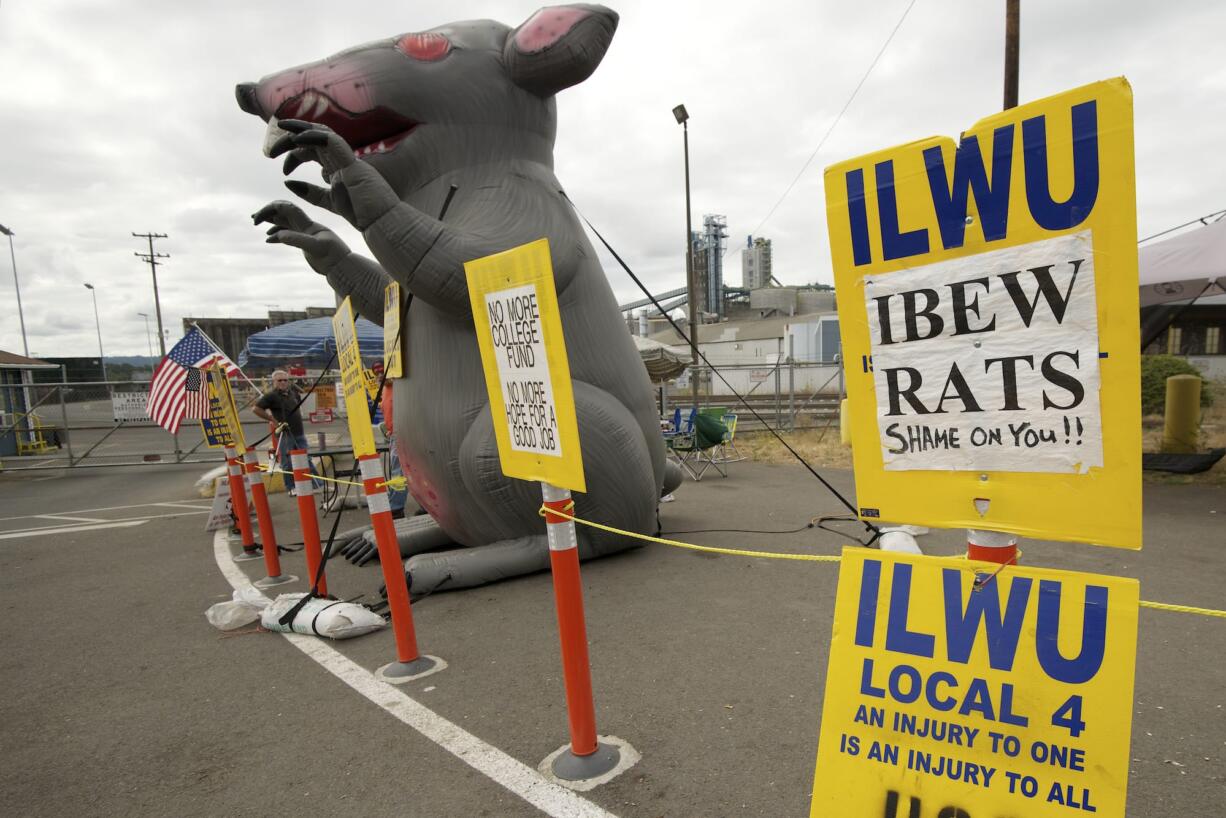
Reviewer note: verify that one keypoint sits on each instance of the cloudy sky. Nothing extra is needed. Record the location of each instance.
(119, 117)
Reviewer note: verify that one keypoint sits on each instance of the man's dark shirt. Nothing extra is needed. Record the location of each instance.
(283, 406)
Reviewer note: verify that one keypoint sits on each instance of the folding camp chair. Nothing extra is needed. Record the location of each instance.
(728, 452)
(695, 451)
(678, 434)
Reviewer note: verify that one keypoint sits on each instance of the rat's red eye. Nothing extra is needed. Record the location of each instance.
(428, 46)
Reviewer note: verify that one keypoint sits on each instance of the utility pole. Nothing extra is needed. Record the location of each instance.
(1012, 25)
(152, 258)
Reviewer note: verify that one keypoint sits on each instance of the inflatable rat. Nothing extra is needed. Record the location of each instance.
(438, 147)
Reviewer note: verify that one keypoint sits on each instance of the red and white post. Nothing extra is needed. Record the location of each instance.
(409, 664)
(991, 546)
(586, 757)
(268, 537)
(238, 504)
(304, 488)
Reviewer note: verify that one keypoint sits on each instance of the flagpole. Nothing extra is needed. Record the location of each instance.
(214, 345)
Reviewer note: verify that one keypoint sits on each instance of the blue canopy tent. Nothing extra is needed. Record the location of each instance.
(310, 341)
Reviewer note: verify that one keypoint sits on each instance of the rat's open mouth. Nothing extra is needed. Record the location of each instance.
(378, 130)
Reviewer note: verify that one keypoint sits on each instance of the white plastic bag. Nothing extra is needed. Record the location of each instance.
(242, 610)
(322, 617)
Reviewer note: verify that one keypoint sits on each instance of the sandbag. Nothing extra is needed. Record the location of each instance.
(321, 617)
(242, 610)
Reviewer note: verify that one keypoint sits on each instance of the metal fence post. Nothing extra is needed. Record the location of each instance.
(62, 387)
(778, 393)
(792, 382)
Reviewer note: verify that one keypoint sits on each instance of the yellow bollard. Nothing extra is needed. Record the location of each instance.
(844, 423)
(1181, 428)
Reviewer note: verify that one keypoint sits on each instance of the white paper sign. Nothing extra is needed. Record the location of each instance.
(219, 515)
(130, 407)
(523, 370)
(990, 362)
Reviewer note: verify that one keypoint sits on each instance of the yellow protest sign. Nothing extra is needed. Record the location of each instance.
(222, 427)
(988, 308)
(353, 380)
(519, 331)
(391, 331)
(1013, 699)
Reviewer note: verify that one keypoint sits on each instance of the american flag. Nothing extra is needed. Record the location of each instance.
(196, 405)
(168, 391)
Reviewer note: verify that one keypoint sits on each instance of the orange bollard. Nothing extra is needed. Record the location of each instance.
(272, 560)
(238, 503)
(991, 546)
(305, 489)
(587, 758)
(410, 664)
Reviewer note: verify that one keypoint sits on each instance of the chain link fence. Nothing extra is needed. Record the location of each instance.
(103, 423)
(786, 395)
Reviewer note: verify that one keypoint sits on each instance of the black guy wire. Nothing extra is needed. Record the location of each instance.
(694, 346)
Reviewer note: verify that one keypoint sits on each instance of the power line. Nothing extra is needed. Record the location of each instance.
(835, 123)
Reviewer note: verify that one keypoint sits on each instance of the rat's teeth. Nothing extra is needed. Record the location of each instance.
(382, 147)
(321, 107)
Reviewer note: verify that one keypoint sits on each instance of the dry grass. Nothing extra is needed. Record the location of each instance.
(822, 448)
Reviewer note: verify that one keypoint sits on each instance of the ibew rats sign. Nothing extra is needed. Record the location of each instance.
(989, 362)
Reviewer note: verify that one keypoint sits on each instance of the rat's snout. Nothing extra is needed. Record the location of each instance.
(245, 92)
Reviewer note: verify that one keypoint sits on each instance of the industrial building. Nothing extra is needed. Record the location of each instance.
(231, 333)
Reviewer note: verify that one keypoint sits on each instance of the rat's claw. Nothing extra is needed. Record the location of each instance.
(296, 125)
(282, 214)
(282, 145)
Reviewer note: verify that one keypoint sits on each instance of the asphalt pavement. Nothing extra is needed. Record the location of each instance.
(120, 699)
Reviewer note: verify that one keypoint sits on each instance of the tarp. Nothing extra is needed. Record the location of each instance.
(1191, 265)
(310, 341)
(663, 362)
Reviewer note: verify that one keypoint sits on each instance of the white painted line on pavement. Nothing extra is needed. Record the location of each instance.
(133, 520)
(91, 510)
(185, 505)
(69, 529)
(70, 519)
(512, 775)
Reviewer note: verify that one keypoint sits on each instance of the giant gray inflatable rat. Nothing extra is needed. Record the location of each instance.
(438, 147)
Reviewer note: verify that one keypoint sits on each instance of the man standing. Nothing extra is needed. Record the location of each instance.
(280, 405)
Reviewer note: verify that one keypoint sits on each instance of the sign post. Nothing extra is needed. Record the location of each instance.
(223, 430)
(410, 664)
(523, 353)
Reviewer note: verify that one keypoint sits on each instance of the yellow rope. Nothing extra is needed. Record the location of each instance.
(396, 483)
(736, 552)
(710, 549)
(1164, 606)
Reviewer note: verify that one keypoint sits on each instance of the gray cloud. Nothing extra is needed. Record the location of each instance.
(119, 120)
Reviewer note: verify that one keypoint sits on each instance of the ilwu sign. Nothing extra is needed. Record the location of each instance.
(989, 316)
(989, 362)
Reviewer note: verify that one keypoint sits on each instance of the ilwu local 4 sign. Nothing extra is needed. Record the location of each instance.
(955, 696)
(990, 323)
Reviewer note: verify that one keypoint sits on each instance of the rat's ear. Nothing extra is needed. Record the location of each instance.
(558, 47)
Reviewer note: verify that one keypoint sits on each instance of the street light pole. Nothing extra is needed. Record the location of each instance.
(98, 323)
(20, 317)
(148, 336)
(683, 117)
